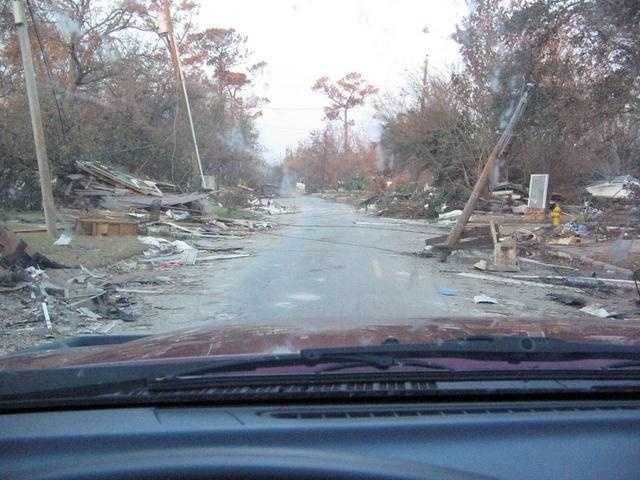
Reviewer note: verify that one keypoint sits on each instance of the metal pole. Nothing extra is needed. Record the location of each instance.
(502, 144)
(36, 118)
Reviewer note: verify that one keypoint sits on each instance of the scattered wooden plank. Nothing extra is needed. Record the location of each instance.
(513, 281)
(108, 227)
(144, 201)
(542, 264)
(617, 282)
(140, 292)
(589, 261)
(112, 177)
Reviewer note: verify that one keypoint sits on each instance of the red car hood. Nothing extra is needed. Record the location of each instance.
(238, 340)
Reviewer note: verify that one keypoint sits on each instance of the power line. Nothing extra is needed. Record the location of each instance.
(269, 107)
(347, 244)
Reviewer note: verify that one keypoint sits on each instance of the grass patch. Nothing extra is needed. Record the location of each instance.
(21, 218)
(87, 251)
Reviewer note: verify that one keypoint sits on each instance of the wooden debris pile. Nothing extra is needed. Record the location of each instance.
(98, 185)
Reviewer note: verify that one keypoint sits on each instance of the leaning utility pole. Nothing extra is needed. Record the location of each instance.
(165, 27)
(36, 118)
(481, 184)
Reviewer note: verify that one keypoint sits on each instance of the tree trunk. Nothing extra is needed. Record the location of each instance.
(346, 129)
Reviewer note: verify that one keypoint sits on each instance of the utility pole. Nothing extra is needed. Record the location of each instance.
(423, 87)
(36, 118)
(481, 184)
(165, 28)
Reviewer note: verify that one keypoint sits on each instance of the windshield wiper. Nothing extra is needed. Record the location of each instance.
(18, 386)
(497, 348)
(339, 361)
(513, 349)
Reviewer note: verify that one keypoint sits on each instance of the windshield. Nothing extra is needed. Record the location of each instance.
(194, 179)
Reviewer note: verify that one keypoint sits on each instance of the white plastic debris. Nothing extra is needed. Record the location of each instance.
(485, 299)
(165, 251)
(64, 240)
(481, 265)
(452, 215)
(177, 215)
(36, 273)
(598, 311)
(617, 187)
(160, 245)
(47, 318)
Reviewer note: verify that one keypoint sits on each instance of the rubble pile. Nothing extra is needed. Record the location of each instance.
(123, 204)
(41, 298)
(260, 201)
(432, 203)
(506, 197)
(590, 248)
(423, 202)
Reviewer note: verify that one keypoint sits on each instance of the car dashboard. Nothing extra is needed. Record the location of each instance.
(514, 440)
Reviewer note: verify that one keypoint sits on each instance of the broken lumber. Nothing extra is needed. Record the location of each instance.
(512, 281)
(590, 261)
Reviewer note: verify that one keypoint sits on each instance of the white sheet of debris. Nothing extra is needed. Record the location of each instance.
(617, 187)
(163, 250)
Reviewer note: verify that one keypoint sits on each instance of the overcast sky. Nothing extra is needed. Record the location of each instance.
(302, 40)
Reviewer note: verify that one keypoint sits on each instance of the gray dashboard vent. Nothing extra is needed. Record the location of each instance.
(318, 414)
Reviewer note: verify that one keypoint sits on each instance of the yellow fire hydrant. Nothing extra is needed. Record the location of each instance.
(556, 215)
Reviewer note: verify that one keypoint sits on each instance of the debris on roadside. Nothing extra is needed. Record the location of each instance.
(481, 265)
(114, 305)
(599, 311)
(164, 252)
(448, 292)
(485, 299)
(621, 187)
(570, 300)
(13, 253)
(64, 240)
(449, 216)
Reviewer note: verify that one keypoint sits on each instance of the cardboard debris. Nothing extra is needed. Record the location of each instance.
(107, 227)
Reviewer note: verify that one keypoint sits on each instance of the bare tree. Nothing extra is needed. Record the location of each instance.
(349, 92)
